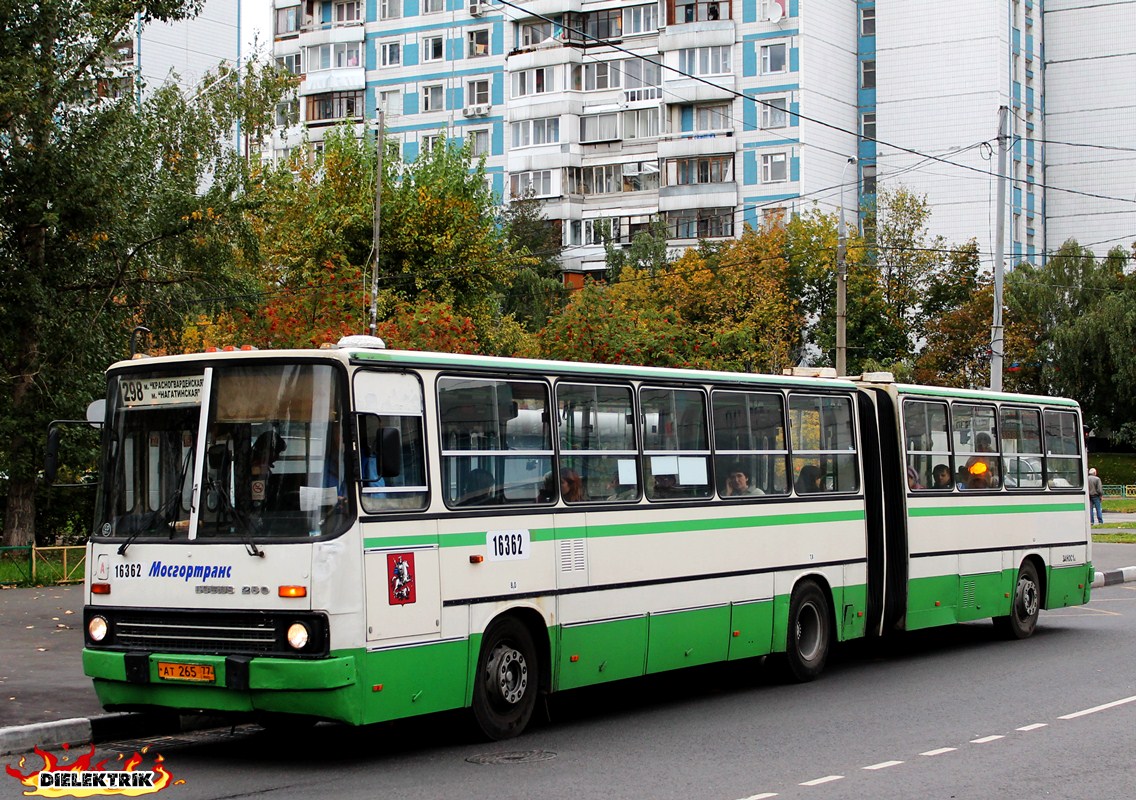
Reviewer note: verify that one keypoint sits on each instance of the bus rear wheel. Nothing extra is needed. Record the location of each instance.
(1026, 606)
(505, 687)
(810, 632)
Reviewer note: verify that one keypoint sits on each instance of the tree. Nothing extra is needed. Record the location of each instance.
(536, 290)
(103, 219)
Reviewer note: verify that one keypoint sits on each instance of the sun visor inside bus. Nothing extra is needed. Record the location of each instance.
(249, 397)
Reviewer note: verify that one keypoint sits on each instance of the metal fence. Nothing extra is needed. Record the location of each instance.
(38, 565)
(1117, 490)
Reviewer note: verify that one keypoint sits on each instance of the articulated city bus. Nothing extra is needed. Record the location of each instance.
(359, 534)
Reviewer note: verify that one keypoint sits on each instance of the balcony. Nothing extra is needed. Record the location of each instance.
(708, 88)
(697, 143)
(698, 195)
(697, 34)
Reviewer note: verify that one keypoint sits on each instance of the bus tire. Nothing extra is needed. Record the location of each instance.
(809, 634)
(1024, 608)
(505, 686)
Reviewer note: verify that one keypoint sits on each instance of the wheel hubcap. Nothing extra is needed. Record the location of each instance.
(809, 633)
(508, 673)
(1028, 597)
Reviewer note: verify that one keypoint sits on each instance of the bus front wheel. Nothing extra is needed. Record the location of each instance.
(505, 687)
(1026, 605)
(810, 632)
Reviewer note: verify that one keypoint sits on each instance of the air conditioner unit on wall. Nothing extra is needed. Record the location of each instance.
(481, 111)
(476, 9)
(469, 111)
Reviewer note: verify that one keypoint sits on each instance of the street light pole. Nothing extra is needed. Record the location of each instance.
(842, 284)
(380, 146)
(997, 334)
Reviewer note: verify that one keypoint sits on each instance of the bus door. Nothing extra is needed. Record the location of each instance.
(401, 556)
(885, 509)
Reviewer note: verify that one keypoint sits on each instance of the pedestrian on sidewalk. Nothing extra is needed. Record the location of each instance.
(1096, 490)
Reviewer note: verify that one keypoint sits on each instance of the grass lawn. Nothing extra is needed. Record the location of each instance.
(1125, 505)
(1117, 537)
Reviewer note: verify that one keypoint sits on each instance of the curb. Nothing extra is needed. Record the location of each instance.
(1114, 576)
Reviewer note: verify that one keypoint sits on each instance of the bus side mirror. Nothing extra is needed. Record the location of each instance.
(388, 449)
(51, 455)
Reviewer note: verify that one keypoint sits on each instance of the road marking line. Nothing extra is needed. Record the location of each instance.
(765, 796)
(1034, 727)
(884, 765)
(986, 739)
(1095, 709)
(939, 752)
(819, 781)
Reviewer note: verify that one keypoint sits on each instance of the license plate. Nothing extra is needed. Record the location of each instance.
(202, 673)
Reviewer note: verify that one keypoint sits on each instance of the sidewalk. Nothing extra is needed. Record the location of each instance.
(46, 700)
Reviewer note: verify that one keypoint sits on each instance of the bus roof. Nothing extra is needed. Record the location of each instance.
(430, 360)
(981, 394)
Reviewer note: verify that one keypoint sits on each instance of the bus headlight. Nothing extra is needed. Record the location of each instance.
(298, 635)
(97, 628)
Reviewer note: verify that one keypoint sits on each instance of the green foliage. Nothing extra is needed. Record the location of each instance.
(536, 291)
(104, 221)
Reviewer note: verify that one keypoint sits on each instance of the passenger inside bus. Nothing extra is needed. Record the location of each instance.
(572, 487)
(981, 471)
(478, 488)
(809, 479)
(737, 483)
(942, 477)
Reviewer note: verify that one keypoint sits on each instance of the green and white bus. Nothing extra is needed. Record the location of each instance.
(360, 534)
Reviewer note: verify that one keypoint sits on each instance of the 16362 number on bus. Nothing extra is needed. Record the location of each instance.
(507, 545)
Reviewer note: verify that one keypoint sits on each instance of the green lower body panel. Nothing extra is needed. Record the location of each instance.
(688, 638)
(985, 595)
(1068, 586)
(751, 629)
(932, 601)
(851, 622)
(602, 651)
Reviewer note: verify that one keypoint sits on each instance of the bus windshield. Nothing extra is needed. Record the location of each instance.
(269, 464)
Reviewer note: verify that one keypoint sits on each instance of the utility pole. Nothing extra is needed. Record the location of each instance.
(380, 146)
(842, 284)
(997, 337)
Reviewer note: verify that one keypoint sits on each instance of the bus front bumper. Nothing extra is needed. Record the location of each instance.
(324, 688)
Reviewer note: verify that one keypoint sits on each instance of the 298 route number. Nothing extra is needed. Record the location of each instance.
(507, 545)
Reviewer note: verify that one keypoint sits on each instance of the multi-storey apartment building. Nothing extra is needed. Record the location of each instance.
(708, 114)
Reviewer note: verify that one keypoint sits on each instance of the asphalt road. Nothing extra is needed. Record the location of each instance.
(952, 713)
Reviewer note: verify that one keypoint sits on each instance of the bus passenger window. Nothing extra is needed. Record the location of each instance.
(927, 441)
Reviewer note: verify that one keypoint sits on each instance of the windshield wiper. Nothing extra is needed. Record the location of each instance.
(245, 527)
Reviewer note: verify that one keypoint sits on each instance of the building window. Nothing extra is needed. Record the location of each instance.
(701, 223)
(538, 183)
(432, 140)
(641, 123)
(532, 81)
(390, 9)
(773, 217)
(390, 54)
(868, 21)
(288, 112)
(774, 58)
(433, 48)
(534, 33)
(640, 176)
(868, 74)
(603, 24)
(433, 6)
(640, 19)
(391, 101)
(868, 125)
(335, 106)
(774, 168)
(704, 169)
(536, 131)
(598, 75)
(603, 179)
(346, 13)
(774, 112)
(287, 20)
(868, 175)
(599, 128)
(291, 62)
(705, 60)
(433, 97)
(680, 11)
(477, 43)
(478, 142)
(333, 56)
(642, 80)
(477, 92)
(712, 118)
